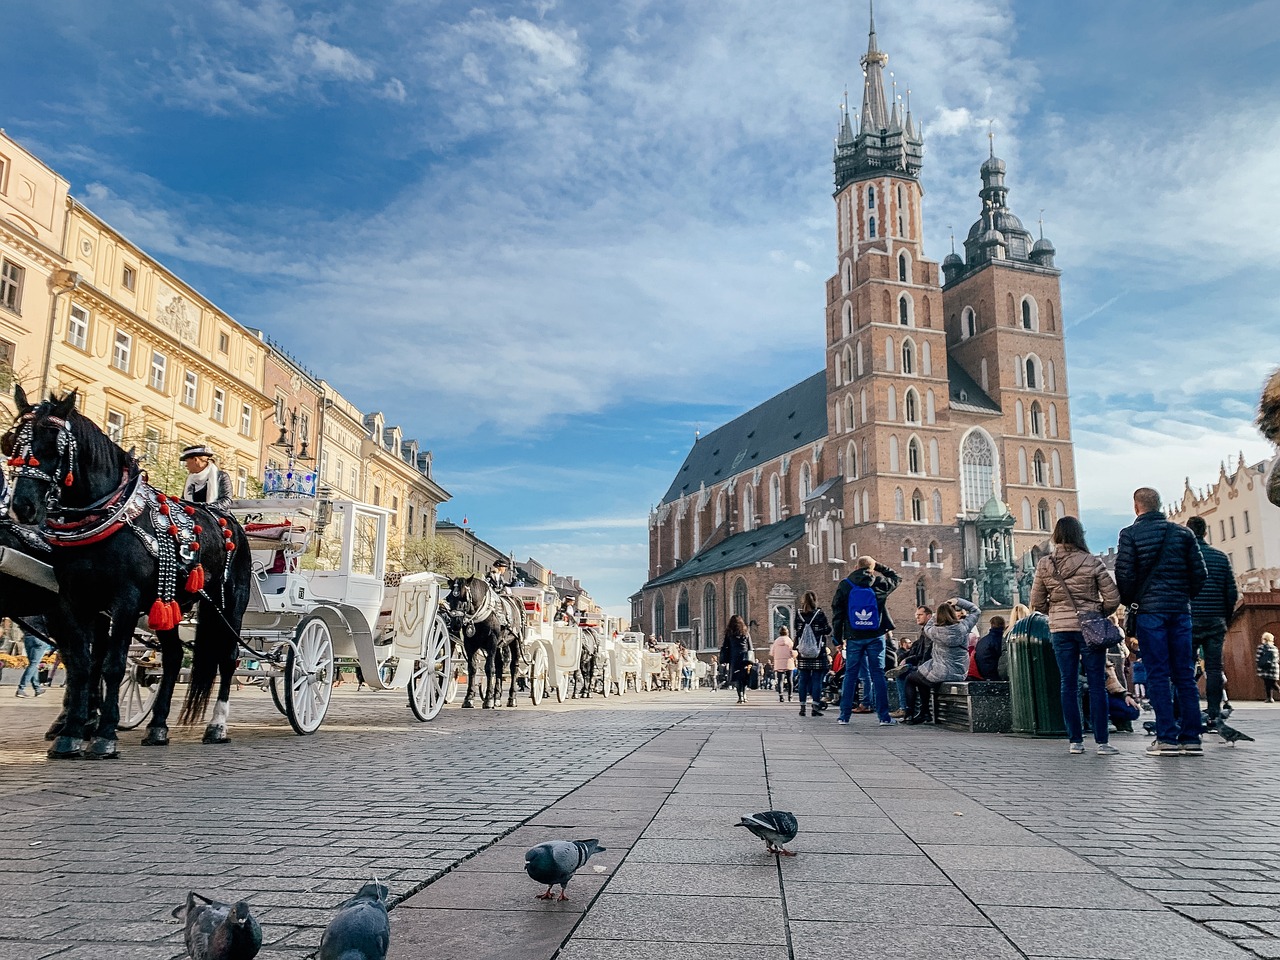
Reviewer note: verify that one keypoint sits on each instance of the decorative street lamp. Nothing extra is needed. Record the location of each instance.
(293, 480)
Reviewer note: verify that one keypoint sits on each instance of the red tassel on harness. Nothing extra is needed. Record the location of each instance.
(173, 531)
(195, 579)
(190, 511)
(32, 462)
(71, 478)
(175, 613)
(197, 530)
(164, 508)
(158, 617)
(230, 546)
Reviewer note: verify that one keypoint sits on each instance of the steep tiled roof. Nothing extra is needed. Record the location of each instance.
(740, 550)
(791, 419)
(965, 393)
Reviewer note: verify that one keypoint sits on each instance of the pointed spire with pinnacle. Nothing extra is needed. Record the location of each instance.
(887, 141)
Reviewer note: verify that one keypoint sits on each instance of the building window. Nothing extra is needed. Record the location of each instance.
(224, 343)
(159, 363)
(871, 227)
(11, 286)
(242, 482)
(8, 351)
(122, 351)
(1037, 419)
(915, 461)
(806, 480)
(324, 465)
(408, 516)
(911, 407)
(922, 597)
(1232, 521)
(1033, 374)
(902, 265)
(709, 627)
(935, 554)
(904, 310)
(871, 196)
(151, 444)
(129, 278)
(968, 323)
(908, 357)
(937, 506)
(338, 475)
(354, 481)
(1042, 515)
(917, 507)
(219, 404)
(1026, 315)
(899, 504)
(740, 599)
(78, 327)
(1222, 529)
(304, 427)
(682, 610)
(190, 388)
(115, 425)
(977, 468)
(1037, 468)
(1248, 553)
(1246, 521)
(659, 617)
(246, 420)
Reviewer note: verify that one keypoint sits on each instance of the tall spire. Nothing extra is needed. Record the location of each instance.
(875, 113)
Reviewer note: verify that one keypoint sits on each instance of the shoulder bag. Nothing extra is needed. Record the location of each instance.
(1131, 617)
(1098, 631)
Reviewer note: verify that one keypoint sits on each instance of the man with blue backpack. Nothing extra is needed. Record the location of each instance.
(858, 615)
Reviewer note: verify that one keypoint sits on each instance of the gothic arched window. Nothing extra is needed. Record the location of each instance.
(806, 479)
(740, 598)
(915, 461)
(775, 499)
(1037, 468)
(899, 504)
(968, 323)
(904, 310)
(659, 616)
(709, 631)
(1037, 419)
(902, 267)
(871, 227)
(1042, 515)
(977, 469)
(908, 357)
(682, 610)
(917, 507)
(911, 407)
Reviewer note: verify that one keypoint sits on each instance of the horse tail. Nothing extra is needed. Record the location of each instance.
(216, 642)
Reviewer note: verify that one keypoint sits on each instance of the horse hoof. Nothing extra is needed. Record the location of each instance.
(156, 737)
(468, 705)
(511, 703)
(66, 748)
(215, 734)
(54, 732)
(103, 749)
(488, 706)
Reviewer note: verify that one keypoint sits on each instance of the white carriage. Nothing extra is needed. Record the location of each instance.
(552, 649)
(627, 661)
(320, 596)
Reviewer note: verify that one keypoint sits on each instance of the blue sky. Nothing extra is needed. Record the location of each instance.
(553, 239)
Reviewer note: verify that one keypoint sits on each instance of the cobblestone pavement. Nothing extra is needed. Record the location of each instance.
(915, 841)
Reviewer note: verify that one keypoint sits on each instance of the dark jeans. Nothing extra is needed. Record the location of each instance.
(1069, 649)
(809, 684)
(915, 684)
(1207, 635)
(785, 678)
(1165, 643)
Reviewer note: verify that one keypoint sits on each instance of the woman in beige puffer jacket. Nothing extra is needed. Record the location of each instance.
(1069, 581)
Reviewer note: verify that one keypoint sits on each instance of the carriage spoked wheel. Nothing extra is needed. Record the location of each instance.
(429, 684)
(538, 675)
(562, 689)
(459, 667)
(308, 675)
(137, 696)
(275, 685)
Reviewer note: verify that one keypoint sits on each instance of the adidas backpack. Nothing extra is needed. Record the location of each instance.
(864, 608)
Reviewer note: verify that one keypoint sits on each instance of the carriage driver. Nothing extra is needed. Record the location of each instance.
(497, 578)
(205, 482)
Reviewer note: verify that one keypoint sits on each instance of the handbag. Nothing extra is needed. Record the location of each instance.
(1131, 616)
(1098, 631)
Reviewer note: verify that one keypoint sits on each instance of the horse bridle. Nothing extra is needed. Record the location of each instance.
(24, 461)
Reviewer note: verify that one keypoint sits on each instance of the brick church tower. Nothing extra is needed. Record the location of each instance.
(890, 439)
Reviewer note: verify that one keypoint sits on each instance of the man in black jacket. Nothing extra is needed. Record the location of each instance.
(864, 644)
(1210, 611)
(1159, 569)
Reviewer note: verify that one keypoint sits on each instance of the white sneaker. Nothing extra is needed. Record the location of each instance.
(1075, 748)
(1106, 750)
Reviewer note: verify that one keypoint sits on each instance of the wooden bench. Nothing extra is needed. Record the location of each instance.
(974, 706)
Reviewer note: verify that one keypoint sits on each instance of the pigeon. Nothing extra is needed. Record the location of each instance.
(1150, 727)
(555, 862)
(774, 827)
(360, 930)
(1231, 734)
(219, 931)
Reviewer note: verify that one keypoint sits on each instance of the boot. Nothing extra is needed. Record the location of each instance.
(923, 716)
(802, 709)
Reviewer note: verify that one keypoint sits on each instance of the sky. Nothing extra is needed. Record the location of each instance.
(553, 240)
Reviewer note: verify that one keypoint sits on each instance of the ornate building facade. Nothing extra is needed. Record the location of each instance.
(937, 438)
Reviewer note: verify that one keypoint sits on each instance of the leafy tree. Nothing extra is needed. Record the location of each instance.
(432, 554)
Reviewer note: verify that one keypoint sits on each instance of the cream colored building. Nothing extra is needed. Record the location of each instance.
(157, 365)
(1242, 522)
(33, 221)
(398, 476)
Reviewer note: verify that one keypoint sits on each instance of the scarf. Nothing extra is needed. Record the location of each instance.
(205, 481)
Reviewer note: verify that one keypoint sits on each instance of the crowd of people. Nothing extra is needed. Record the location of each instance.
(1138, 640)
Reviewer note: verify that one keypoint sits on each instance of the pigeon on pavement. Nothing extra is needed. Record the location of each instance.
(219, 931)
(774, 827)
(556, 861)
(1231, 734)
(360, 930)
(1150, 727)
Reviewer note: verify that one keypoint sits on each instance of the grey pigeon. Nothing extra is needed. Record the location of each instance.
(774, 827)
(1231, 734)
(556, 861)
(219, 931)
(360, 930)
(1150, 727)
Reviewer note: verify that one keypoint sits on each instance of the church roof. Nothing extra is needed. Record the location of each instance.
(966, 395)
(787, 421)
(741, 550)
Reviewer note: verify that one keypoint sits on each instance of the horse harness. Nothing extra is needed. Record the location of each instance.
(119, 508)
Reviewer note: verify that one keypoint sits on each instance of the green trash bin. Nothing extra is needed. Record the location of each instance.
(1034, 681)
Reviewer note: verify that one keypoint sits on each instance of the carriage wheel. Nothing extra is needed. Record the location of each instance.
(429, 684)
(562, 690)
(308, 670)
(605, 679)
(274, 686)
(459, 665)
(137, 696)
(538, 675)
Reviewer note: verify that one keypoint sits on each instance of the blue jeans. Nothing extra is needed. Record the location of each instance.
(868, 654)
(809, 684)
(1069, 648)
(36, 649)
(1165, 642)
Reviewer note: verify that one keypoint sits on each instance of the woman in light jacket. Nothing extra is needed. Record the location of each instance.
(783, 655)
(1070, 581)
(948, 632)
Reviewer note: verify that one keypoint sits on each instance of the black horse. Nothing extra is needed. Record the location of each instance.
(588, 663)
(490, 624)
(85, 491)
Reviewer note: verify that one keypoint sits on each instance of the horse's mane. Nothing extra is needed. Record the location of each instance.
(95, 451)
